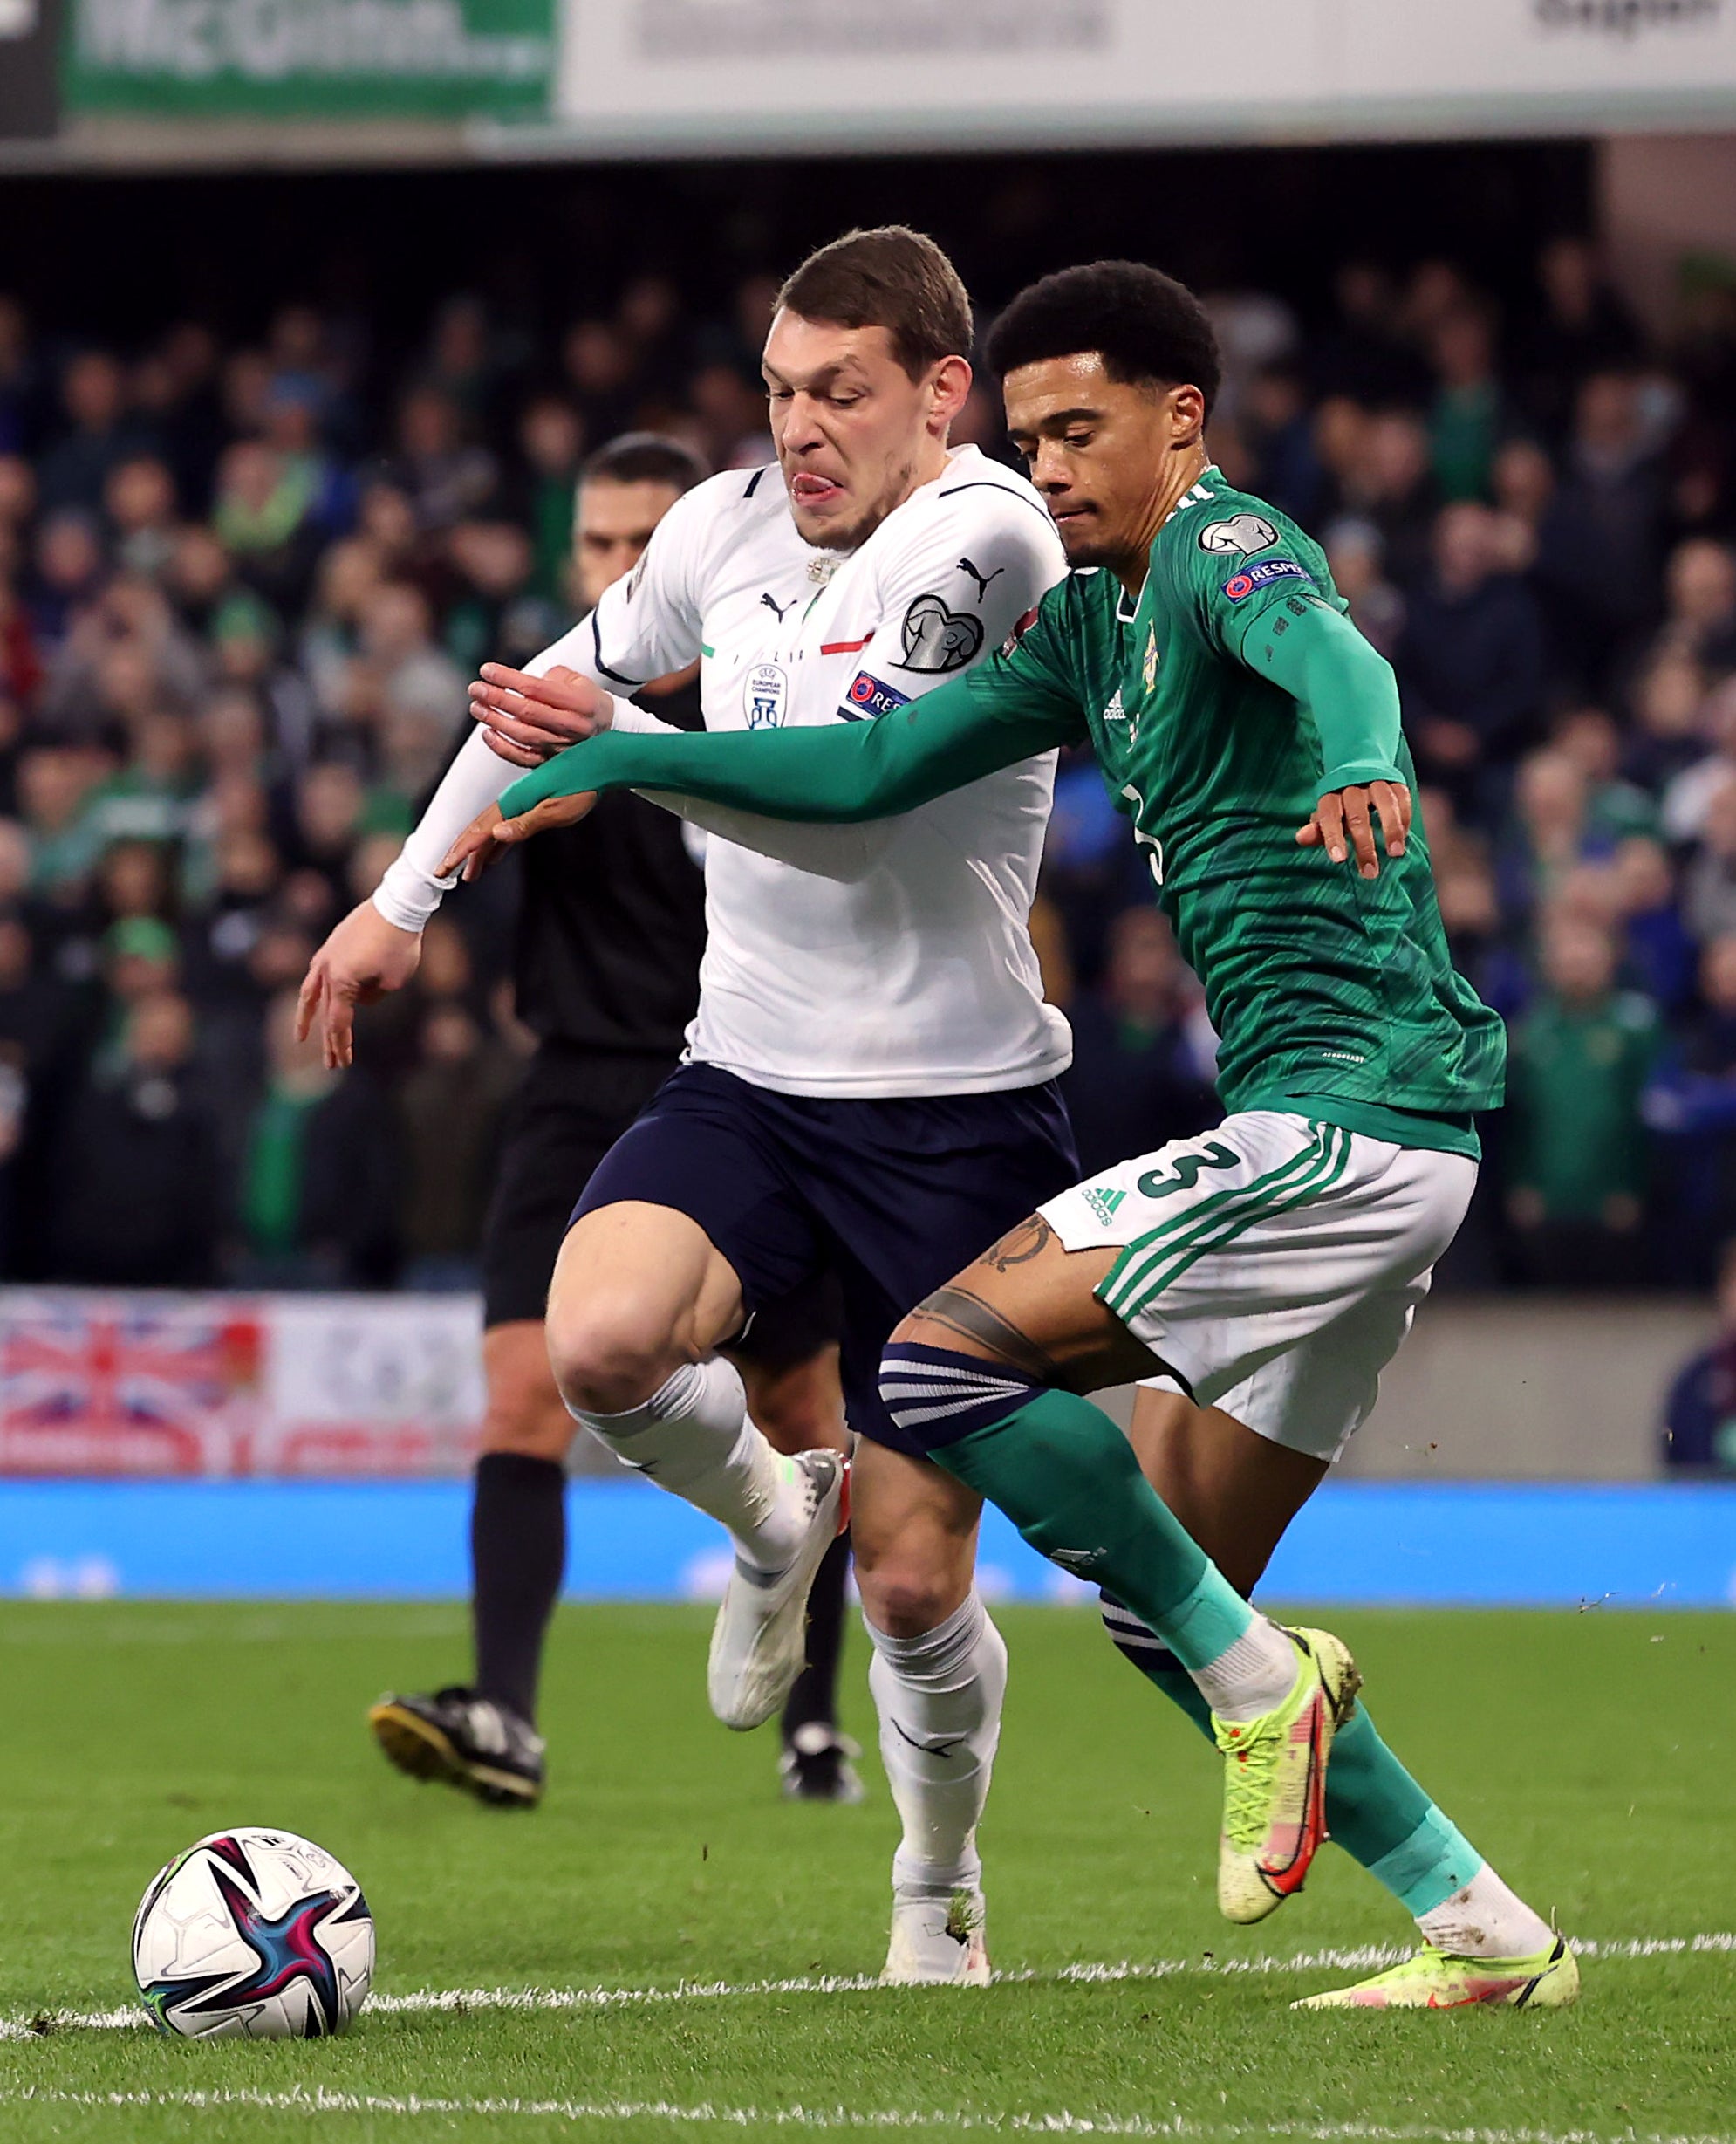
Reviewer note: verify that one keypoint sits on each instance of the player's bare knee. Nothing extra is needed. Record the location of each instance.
(904, 1596)
(609, 1356)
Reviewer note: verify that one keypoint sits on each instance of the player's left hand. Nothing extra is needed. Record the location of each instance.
(1342, 822)
(527, 720)
(490, 832)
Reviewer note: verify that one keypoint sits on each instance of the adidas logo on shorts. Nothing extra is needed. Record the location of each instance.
(1103, 1200)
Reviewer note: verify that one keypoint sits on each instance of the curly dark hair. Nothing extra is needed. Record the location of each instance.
(1144, 325)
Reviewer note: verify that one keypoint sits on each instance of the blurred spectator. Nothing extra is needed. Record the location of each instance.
(1579, 327)
(1699, 1414)
(138, 501)
(137, 1182)
(1601, 541)
(74, 471)
(1364, 357)
(551, 444)
(1690, 1105)
(1523, 480)
(317, 1173)
(1387, 478)
(1699, 618)
(1465, 419)
(443, 476)
(1142, 1055)
(1576, 1152)
(449, 1109)
(1668, 696)
(69, 573)
(1658, 956)
(17, 376)
(1709, 882)
(1354, 553)
(1470, 658)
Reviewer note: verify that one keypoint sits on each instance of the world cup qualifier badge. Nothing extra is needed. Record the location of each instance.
(1241, 532)
(1261, 576)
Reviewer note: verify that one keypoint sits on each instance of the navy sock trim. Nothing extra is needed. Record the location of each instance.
(936, 1395)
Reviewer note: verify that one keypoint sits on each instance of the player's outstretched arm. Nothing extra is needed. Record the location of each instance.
(832, 776)
(1348, 688)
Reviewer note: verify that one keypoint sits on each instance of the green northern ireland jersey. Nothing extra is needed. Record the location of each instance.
(1324, 988)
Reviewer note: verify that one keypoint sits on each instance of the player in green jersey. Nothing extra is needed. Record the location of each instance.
(1267, 1270)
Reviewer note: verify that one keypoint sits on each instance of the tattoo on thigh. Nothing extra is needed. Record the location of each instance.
(956, 1309)
(1018, 1246)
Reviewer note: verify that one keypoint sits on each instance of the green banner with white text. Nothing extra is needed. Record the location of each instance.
(362, 60)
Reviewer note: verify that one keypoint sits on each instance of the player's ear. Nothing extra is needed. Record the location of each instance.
(949, 389)
(1187, 416)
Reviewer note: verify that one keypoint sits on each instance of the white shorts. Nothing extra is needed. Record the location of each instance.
(1274, 1264)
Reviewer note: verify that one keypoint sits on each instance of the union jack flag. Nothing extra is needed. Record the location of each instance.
(128, 1385)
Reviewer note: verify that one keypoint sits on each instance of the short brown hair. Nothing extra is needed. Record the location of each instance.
(894, 278)
(645, 458)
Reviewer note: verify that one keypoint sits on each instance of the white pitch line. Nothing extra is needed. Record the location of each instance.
(1367, 1958)
(320, 2100)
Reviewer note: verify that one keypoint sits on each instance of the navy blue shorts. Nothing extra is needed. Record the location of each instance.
(891, 1197)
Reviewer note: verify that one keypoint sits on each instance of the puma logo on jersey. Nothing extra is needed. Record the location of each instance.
(772, 603)
(937, 640)
(1184, 1172)
(982, 579)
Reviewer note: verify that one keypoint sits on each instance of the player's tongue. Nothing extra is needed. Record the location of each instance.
(810, 491)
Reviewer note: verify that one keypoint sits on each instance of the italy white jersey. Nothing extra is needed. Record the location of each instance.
(887, 959)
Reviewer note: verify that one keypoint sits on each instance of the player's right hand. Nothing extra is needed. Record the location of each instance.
(1342, 823)
(527, 720)
(363, 957)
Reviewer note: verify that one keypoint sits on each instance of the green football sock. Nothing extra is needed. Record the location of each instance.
(1375, 1810)
(1067, 1478)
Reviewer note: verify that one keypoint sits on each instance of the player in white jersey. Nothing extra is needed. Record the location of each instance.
(866, 1091)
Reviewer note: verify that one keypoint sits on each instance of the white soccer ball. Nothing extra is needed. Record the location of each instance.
(255, 1935)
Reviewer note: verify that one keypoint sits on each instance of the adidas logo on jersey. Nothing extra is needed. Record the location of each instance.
(1103, 1200)
(1115, 712)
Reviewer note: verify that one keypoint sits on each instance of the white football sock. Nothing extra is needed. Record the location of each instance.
(939, 1697)
(693, 1438)
(1254, 1675)
(1486, 1919)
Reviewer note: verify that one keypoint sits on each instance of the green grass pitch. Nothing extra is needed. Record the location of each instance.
(1592, 1756)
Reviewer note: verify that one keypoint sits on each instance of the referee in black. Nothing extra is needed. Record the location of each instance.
(610, 931)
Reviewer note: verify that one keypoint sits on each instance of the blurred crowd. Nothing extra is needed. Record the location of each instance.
(242, 585)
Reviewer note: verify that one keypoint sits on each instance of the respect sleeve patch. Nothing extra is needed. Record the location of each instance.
(868, 697)
(1252, 578)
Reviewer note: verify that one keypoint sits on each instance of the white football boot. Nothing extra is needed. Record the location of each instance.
(938, 1942)
(760, 1638)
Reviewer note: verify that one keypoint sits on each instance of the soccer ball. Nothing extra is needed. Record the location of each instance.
(255, 1934)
